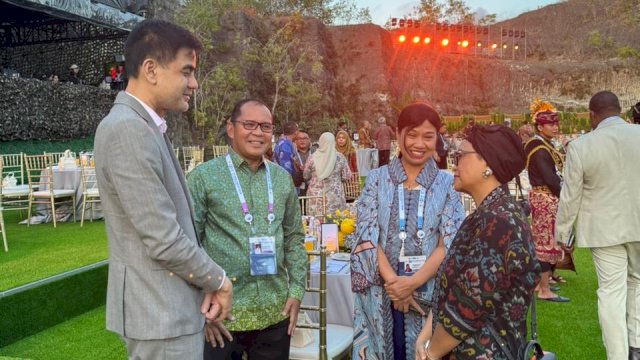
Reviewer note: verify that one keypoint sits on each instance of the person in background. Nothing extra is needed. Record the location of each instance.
(544, 166)
(525, 132)
(635, 113)
(285, 155)
(364, 135)
(345, 147)
(303, 148)
(74, 74)
(383, 136)
(247, 214)
(601, 196)
(488, 277)
(442, 148)
(161, 281)
(408, 213)
(325, 171)
(342, 126)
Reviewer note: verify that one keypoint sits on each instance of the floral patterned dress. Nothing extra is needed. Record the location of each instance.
(331, 187)
(377, 225)
(488, 278)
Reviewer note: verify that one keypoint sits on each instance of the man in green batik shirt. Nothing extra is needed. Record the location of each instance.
(248, 216)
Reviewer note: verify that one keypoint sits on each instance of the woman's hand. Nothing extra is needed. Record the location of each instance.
(404, 305)
(423, 338)
(399, 287)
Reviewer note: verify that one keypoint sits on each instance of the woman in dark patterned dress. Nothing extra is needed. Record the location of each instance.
(491, 270)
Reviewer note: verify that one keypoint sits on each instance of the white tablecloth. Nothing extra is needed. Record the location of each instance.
(339, 295)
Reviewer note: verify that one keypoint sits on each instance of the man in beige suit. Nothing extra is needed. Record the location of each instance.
(601, 191)
(162, 284)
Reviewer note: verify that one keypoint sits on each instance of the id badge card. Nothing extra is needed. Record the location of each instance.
(262, 255)
(409, 265)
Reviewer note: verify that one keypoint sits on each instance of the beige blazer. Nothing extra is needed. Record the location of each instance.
(601, 187)
(157, 270)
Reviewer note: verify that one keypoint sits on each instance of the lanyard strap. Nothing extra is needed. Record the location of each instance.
(402, 217)
(243, 202)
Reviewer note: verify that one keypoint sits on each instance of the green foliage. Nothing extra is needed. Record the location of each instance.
(600, 43)
(628, 52)
(33, 147)
(451, 11)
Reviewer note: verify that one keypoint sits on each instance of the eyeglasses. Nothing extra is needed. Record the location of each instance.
(457, 155)
(252, 125)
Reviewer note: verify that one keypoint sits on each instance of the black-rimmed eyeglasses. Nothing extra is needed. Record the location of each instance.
(252, 125)
(457, 155)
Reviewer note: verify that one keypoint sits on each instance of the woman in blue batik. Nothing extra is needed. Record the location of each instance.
(408, 214)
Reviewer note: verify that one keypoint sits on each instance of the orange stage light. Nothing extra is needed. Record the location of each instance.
(516, 47)
(427, 40)
(504, 46)
(479, 44)
(402, 38)
(416, 39)
(465, 43)
(494, 45)
(444, 42)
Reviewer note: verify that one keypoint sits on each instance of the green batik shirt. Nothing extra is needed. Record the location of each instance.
(258, 301)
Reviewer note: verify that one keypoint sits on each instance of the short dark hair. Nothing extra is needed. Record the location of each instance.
(303, 131)
(157, 39)
(416, 114)
(605, 102)
(635, 113)
(237, 107)
(289, 128)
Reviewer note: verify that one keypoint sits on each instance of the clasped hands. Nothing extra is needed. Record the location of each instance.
(216, 307)
(400, 290)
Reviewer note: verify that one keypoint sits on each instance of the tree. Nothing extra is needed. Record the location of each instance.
(451, 11)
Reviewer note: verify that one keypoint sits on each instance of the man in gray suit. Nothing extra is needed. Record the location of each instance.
(162, 284)
(601, 191)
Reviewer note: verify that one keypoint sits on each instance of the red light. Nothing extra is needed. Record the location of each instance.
(416, 39)
(493, 46)
(465, 43)
(427, 40)
(444, 42)
(402, 38)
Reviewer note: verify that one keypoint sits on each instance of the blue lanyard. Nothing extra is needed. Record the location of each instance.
(402, 217)
(243, 202)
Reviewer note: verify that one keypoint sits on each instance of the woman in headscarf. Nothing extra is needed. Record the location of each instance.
(344, 147)
(488, 277)
(325, 170)
(544, 166)
(408, 214)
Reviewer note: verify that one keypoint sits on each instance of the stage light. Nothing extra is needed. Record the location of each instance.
(409, 23)
(444, 42)
(494, 46)
(479, 44)
(416, 39)
(516, 47)
(402, 38)
(427, 40)
(465, 43)
(459, 42)
(504, 46)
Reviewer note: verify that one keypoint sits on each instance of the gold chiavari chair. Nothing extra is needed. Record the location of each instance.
(331, 341)
(352, 188)
(192, 156)
(90, 192)
(41, 187)
(13, 197)
(315, 206)
(2, 230)
(55, 156)
(220, 150)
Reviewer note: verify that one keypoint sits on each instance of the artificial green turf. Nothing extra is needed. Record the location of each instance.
(40, 251)
(83, 337)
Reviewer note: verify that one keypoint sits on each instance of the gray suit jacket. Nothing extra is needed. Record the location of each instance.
(600, 187)
(157, 270)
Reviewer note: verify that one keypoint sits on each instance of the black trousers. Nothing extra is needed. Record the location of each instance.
(270, 343)
(383, 157)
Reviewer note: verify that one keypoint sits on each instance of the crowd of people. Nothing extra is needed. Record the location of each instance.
(219, 256)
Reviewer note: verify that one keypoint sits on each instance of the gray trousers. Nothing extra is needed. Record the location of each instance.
(186, 347)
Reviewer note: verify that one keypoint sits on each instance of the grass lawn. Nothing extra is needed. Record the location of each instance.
(83, 337)
(44, 251)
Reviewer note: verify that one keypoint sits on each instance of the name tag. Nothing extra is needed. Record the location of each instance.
(409, 265)
(262, 255)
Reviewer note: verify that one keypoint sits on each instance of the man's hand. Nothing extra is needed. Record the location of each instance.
(214, 332)
(216, 306)
(400, 287)
(291, 309)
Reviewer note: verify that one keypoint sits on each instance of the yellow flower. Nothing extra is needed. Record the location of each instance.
(347, 226)
(340, 239)
(338, 213)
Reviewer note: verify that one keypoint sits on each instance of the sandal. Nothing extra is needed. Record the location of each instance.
(559, 279)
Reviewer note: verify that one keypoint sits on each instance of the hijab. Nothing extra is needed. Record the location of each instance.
(347, 149)
(501, 148)
(325, 157)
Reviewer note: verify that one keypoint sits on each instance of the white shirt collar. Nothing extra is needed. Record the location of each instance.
(608, 120)
(160, 122)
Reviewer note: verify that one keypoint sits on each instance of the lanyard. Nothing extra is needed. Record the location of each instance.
(243, 202)
(403, 217)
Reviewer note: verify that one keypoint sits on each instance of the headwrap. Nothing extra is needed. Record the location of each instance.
(325, 156)
(546, 117)
(347, 149)
(501, 148)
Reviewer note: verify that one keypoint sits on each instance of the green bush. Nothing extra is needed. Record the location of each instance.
(33, 147)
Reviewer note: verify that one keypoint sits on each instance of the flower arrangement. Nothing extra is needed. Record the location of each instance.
(346, 221)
